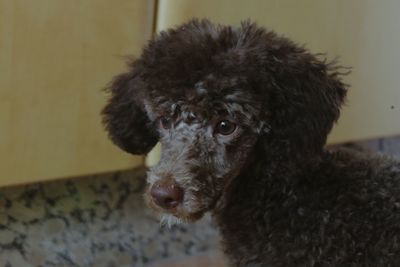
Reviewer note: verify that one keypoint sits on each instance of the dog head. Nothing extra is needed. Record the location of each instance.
(212, 95)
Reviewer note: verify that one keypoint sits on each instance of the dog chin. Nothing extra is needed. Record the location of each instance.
(173, 218)
(179, 217)
(169, 220)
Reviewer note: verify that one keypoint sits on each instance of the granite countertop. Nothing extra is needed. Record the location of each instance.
(92, 221)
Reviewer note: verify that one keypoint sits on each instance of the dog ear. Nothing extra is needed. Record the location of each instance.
(301, 93)
(124, 117)
(307, 96)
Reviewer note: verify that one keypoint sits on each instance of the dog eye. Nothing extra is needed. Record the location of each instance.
(165, 123)
(225, 127)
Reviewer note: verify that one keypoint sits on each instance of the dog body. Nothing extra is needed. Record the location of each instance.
(341, 211)
(242, 115)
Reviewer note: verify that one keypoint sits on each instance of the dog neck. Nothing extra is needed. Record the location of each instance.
(260, 190)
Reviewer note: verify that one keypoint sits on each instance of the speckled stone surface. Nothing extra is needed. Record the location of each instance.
(92, 221)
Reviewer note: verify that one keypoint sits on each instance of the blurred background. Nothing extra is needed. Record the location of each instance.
(68, 197)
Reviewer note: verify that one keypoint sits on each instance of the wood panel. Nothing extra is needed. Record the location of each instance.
(364, 34)
(55, 58)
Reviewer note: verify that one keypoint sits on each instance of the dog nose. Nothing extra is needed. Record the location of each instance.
(166, 194)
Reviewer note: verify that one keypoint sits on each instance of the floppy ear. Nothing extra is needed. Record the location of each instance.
(307, 97)
(124, 117)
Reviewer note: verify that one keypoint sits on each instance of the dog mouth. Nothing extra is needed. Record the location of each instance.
(189, 217)
(179, 213)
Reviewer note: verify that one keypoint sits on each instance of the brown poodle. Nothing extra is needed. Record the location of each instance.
(243, 115)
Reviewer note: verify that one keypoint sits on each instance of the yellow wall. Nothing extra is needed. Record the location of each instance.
(55, 58)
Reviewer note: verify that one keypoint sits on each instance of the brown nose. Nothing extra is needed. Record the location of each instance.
(166, 194)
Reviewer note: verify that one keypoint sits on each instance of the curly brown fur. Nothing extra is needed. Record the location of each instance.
(278, 197)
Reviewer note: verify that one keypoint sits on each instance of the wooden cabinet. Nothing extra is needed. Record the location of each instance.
(55, 58)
